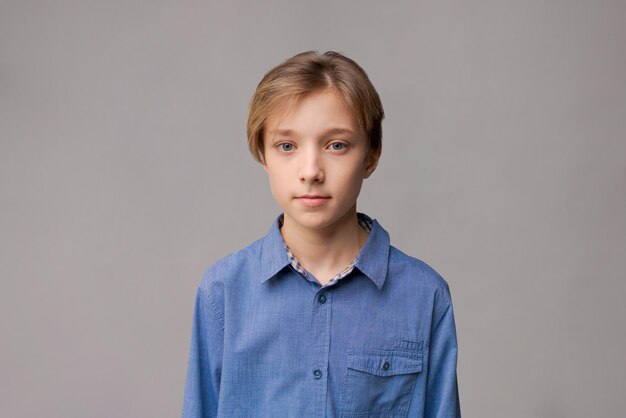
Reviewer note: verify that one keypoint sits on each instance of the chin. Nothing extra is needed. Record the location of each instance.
(318, 220)
(313, 220)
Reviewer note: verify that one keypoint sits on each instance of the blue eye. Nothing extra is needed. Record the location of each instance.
(286, 147)
(337, 146)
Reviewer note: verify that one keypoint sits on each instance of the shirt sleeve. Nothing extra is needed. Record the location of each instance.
(442, 397)
(205, 358)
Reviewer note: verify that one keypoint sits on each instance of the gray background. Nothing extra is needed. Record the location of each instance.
(124, 174)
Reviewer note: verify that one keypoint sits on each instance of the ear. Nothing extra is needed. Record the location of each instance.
(372, 162)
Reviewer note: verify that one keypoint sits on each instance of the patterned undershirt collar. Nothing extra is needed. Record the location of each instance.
(364, 222)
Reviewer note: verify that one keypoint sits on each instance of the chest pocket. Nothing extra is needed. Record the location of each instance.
(379, 383)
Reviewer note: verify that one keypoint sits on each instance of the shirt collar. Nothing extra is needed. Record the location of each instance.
(273, 256)
(372, 259)
(374, 256)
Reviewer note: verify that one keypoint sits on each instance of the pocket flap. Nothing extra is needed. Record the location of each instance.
(383, 363)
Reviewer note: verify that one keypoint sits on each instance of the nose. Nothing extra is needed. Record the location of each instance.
(311, 170)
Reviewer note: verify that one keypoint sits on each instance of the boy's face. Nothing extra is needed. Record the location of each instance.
(316, 158)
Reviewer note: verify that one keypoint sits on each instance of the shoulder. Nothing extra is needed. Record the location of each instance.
(232, 268)
(412, 273)
(416, 270)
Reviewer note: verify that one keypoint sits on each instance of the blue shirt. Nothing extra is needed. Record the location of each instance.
(270, 342)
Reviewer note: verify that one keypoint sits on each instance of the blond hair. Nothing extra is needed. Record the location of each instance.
(306, 73)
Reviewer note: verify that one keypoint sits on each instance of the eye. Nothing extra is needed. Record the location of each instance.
(337, 146)
(286, 146)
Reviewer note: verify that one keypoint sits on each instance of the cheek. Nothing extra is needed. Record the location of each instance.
(351, 181)
(352, 173)
(277, 184)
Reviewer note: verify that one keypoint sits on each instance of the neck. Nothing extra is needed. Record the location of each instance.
(326, 251)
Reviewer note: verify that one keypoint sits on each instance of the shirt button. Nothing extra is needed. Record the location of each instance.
(386, 366)
(317, 373)
(321, 298)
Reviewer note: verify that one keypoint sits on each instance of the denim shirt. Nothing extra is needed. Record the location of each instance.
(269, 342)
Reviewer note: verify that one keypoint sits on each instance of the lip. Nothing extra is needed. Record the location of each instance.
(312, 200)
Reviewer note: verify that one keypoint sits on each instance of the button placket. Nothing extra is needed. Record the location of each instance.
(320, 344)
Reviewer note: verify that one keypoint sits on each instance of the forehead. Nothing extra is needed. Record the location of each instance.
(317, 110)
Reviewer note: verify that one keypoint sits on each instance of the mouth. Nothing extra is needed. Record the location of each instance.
(312, 200)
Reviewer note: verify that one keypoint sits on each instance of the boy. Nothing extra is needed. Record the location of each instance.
(321, 317)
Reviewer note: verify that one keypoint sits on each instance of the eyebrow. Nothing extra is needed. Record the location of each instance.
(331, 131)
